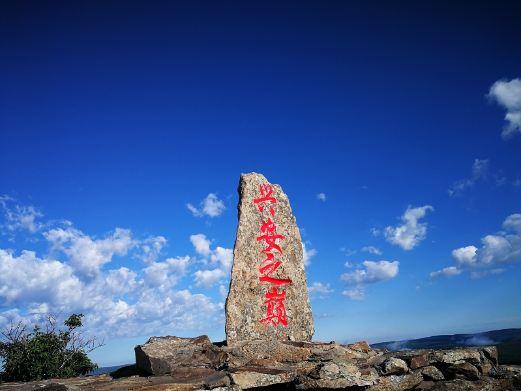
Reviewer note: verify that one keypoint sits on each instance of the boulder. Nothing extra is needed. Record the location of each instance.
(361, 346)
(268, 296)
(453, 356)
(394, 366)
(462, 370)
(161, 355)
(398, 383)
(432, 373)
(337, 375)
(253, 377)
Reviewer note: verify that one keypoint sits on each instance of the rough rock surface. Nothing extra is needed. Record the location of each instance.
(288, 365)
(160, 355)
(246, 302)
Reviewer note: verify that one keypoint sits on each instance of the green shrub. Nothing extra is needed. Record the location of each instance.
(42, 354)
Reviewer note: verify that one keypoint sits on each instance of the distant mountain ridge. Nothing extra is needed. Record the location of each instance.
(508, 342)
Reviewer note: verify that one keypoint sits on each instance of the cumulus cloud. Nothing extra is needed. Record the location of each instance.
(446, 272)
(77, 276)
(411, 232)
(207, 278)
(321, 197)
(27, 278)
(210, 206)
(373, 272)
(496, 249)
(86, 254)
(165, 275)
(220, 259)
(465, 256)
(151, 248)
(308, 254)
(201, 244)
(372, 250)
(480, 171)
(508, 94)
(319, 289)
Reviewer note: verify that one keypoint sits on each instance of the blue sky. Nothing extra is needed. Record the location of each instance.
(394, 130)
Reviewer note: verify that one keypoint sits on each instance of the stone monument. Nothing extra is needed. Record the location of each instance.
(268, 296)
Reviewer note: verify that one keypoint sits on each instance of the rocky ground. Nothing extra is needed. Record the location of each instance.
(172, 363)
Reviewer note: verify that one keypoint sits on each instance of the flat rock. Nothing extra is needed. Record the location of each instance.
(398, 383)
(276, 307)
(253, 377)
(337, 375)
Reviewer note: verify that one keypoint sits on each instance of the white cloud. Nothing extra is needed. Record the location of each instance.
(27, 278)
(480, 171)
(19, 217)
(151, 248)
(320, 289)
(375, 232)
(122, 280)
(224, 257)
(446, 272)
(465, 256)
(76, 277)
(210, 206)
(194, 210)
(201, 244)
(409, 234)
(165, 275)
(372, 250)
(308, 254)
(207, 278)
(513, 223)
(223, 291)
(321, 197)
(496, 249)
(508, 95)
(221, 257)
(357, 293)
(88, 255)
(475, 275)
(373, 272)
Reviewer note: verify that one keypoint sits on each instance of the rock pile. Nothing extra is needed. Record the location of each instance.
(260, 364)
(172, 363)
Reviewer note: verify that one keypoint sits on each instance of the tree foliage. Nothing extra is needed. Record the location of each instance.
(46, 352)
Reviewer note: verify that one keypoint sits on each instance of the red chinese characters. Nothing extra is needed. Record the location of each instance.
(275, 310)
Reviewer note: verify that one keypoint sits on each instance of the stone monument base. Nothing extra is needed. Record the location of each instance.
(172, 363)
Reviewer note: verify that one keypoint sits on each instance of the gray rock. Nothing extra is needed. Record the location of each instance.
(394, 366)
(243, 352)
(466, 385)
(398, 383)
(453, 356)
(432, 373)
(256, 309)
(462, 370)
(161, 355)
(337, 375)
(490, 352)
(253, 377)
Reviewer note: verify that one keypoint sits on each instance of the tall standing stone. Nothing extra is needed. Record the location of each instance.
(267, 299)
